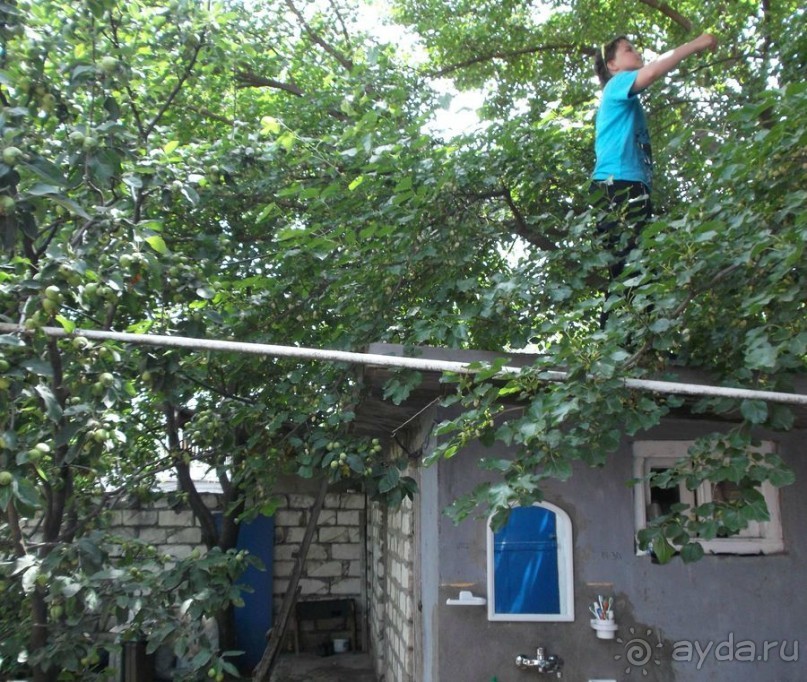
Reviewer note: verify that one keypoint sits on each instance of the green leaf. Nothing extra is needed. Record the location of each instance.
(153, 225)
(52, 407)
(389, 480)
(68, 325)
(42, 189)
(761, 354)
(660, 325)
(157, 243)
(691, 552)
(6, 493)
(662, 549)
(270, 125)
(11, 340)
(67, 433)
(485, 371)
(781, 477)
(287, 140)
(781, 417)
(39, 367)
(403, 185)
(46, 170)
(559, 468)
(267, 211)
(754, 411)
(70, 205)
(26, 493)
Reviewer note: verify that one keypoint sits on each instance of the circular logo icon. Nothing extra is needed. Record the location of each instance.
(639, 651)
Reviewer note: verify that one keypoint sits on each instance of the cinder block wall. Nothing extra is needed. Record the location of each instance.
(173, 531)
(335, 565)
(360, 551)
(390, 576)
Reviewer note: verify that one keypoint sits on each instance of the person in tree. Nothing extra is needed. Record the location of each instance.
(622, 176)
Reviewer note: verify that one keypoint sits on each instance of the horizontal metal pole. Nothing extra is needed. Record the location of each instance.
(422, 364)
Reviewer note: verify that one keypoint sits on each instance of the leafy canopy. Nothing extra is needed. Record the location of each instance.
(267, 173)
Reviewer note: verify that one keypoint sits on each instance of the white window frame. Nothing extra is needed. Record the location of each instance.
(763, 537)
(563, 528)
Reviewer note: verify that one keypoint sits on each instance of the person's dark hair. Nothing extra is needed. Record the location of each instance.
(603, 55)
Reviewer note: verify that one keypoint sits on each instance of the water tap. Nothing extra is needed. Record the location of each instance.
(541, 663)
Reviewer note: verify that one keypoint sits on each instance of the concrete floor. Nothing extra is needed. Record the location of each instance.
(350, 667)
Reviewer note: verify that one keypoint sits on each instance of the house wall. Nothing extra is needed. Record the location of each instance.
(335, 564)
(391, 569)
(715, 614)
(172, 530)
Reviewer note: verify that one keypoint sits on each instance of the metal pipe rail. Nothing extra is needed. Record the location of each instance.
(422, 364)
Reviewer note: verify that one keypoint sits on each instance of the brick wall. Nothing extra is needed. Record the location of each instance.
(335, 567)
(336, 561)
(391, 555)
(359, 551)
(175, 532)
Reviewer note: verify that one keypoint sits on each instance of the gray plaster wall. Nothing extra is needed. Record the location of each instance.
(713, 612)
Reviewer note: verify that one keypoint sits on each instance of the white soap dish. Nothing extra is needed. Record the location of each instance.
(467, 598)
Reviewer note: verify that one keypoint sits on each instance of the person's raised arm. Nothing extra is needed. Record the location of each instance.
(659, 68)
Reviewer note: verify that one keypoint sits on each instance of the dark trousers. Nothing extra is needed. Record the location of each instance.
(627, 209)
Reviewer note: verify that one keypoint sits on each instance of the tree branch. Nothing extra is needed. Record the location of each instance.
(316, 38)
(670, 13)
(200, 510)
(253, 80)
(264, 668)
(248, 79)
(15, 530)
(135, 111)
(682, 306)
(341, 20)
(61, 493)
(202, 111)
(185, 74)
(521, 228)
(559, 47)
(766, 28)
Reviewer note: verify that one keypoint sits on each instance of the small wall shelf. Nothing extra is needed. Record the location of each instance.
(467, 598)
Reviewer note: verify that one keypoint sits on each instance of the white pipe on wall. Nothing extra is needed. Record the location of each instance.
(422, 364)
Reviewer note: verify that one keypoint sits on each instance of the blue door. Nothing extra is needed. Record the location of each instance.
(254, 618)
(525, 555)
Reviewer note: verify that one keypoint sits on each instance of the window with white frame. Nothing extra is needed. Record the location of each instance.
(761, 537)
(530, 571)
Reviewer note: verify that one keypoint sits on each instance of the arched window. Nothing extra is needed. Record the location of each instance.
(530, 568)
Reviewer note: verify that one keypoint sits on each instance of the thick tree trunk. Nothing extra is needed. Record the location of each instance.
(225, 621)
(39, 634)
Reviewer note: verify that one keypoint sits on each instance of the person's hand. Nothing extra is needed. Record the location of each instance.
(706, 41)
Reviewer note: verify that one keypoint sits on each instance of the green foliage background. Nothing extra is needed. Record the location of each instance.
(266, 172)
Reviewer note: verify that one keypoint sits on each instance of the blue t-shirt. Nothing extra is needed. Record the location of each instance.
(622, 142)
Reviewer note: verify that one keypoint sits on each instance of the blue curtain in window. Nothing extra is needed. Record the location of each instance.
(525, 555)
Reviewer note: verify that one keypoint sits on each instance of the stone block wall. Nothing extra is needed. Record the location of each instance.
(335, 565)
(336, 562)
(390, 575)
(173, 531)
